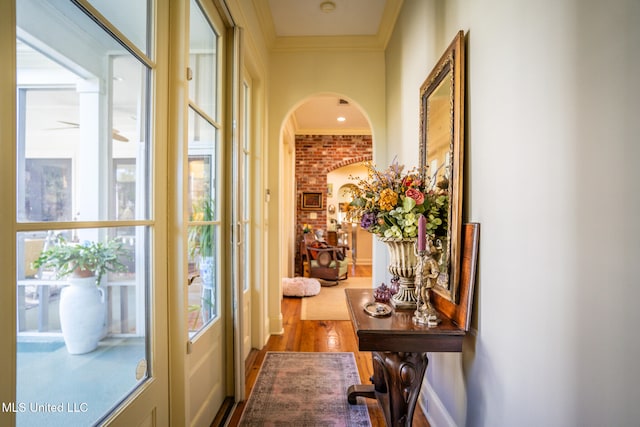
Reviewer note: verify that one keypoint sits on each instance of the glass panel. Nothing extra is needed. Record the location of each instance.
(246, 120)
(203, 291)
(82, 154)
(199, 182)
(130, 17)
(245, 257)
(67, 120)
(128, 138)
(47, 195)
(45, 174)
(124, 174)
(90, 371)
(246, 190)
(203, 231)
(203, 147)
(202, 191)
(203, 42)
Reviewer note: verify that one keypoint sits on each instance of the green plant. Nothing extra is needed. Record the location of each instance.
(84, 259)
(201, 237)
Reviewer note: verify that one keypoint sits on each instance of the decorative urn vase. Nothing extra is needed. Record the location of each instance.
(403, 261)
(82, 314)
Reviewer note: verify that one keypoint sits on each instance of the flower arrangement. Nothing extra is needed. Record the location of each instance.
(306, 228)
(389, 203)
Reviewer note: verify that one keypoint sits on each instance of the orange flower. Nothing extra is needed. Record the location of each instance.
(388, 199)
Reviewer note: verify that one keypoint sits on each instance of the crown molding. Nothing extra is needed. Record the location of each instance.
(263, 14)
(389, 18)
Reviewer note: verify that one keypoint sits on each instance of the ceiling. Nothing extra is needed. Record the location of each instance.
(326, 18)
(328, 25)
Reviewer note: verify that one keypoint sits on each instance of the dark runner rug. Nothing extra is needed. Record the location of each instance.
(305, 389)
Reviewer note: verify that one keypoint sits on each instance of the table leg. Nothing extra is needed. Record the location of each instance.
(397, 379)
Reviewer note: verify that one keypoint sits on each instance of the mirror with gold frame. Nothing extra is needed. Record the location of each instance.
(441, 155)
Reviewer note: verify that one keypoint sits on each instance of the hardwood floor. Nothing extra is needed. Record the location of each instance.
(318, 336)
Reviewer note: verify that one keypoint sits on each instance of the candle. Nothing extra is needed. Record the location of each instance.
(422, 233)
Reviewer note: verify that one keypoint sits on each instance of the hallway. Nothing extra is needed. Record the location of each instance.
(318, 336)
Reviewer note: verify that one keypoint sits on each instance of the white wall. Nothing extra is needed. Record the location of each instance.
(410, 55)
(552, 140)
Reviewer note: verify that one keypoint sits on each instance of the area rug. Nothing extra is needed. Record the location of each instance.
(305, 389)
(331, 303)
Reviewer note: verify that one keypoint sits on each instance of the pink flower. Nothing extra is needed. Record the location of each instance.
(416, 195)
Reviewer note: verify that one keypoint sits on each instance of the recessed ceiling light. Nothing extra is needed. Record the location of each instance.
(327, 6)
(341, 119)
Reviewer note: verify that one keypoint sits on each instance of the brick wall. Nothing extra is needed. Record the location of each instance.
(317, 155)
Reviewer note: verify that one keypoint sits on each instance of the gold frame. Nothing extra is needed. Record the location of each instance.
(311, 201)
(447, 76)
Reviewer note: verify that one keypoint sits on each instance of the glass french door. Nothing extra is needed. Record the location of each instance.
(85, 172)
(205, 305)
(245, 219)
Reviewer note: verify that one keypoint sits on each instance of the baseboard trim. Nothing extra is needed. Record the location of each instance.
(433, 408)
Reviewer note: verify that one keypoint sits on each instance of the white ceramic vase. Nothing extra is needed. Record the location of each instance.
(206, 271)
(82, 314)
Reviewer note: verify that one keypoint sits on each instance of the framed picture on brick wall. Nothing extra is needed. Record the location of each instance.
(311, 201)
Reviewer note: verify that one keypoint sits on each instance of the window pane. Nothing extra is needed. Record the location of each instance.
(47, 195)
(128, 139)
(130, 17)
(203, 230)
(246, 256)
(203, 291)
(51, 311)
(203, 148)
(62, 115)
(82, 154)
(203, 43)
(199, 182)
(245, 138)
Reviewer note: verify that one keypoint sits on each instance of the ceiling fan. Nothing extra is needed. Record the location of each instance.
(115, 133)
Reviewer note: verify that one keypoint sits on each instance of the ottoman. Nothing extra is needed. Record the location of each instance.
(300, 286)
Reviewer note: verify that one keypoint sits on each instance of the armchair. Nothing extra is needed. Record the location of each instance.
(326, 262)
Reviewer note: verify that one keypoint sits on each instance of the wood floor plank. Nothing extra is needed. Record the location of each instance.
(318, 336)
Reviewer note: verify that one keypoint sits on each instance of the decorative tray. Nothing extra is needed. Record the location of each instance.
(377, 309)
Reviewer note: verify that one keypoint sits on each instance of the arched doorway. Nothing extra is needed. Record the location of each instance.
(326, 133)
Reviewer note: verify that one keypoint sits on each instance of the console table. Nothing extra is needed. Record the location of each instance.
(399, 347)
